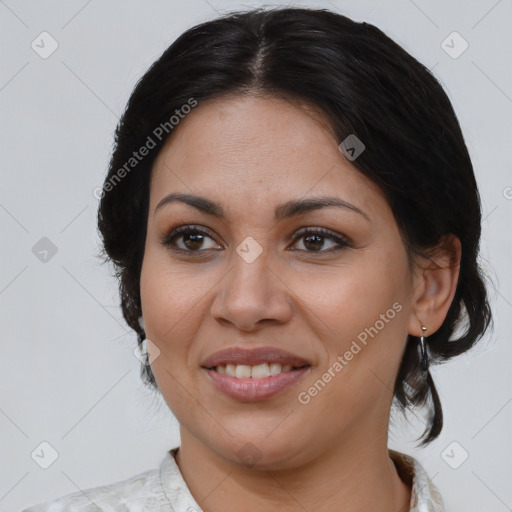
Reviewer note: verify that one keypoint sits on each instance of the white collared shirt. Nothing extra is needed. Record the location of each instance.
(164, 490)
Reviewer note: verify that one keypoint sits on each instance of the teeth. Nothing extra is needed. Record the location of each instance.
(242, 371)
(275, 368)
(259, 371)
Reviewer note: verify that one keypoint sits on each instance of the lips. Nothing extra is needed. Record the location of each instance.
(252, 357)
(253, 390)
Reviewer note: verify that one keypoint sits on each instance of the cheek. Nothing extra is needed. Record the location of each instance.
(348, 299)
(360, 313)
(174, 299)
(169, 289)
(171, 303)
(167, 295)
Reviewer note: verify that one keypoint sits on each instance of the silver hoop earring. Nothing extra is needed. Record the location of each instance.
(424, 355)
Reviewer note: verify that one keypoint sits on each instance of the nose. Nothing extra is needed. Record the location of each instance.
(252, 294)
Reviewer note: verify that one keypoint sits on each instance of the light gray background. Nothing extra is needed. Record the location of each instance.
(68, 374)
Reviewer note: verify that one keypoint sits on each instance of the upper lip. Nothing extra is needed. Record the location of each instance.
(254, 356)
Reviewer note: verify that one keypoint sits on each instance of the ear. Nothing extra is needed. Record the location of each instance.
(434, 285)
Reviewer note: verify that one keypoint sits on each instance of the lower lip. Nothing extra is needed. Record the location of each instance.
(252, 390)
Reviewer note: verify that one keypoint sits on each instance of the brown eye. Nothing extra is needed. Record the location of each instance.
(192, 241)
(188, 239)
(314, 240)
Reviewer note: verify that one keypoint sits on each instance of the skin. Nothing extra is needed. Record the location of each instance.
(252, 154)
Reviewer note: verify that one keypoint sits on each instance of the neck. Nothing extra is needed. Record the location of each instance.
(356, 476)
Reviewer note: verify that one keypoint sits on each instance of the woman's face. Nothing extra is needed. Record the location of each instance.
(339, 299)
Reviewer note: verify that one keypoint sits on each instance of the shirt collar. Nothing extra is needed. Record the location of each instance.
(424, 495)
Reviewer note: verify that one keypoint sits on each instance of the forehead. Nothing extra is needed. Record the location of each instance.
(256, 146)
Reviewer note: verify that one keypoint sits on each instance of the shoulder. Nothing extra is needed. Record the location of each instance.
(140, 492)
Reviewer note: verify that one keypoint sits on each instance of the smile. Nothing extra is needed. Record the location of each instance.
(258, 371)
(253, 383)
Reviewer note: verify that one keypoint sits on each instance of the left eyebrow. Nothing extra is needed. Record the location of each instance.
(292, 208)
(283, 211)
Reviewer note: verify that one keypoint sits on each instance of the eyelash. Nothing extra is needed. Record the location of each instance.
(342, 242)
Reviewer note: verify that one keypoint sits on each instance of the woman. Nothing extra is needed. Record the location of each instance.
(295, 222)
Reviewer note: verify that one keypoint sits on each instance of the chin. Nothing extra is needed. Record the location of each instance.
(262, 451)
